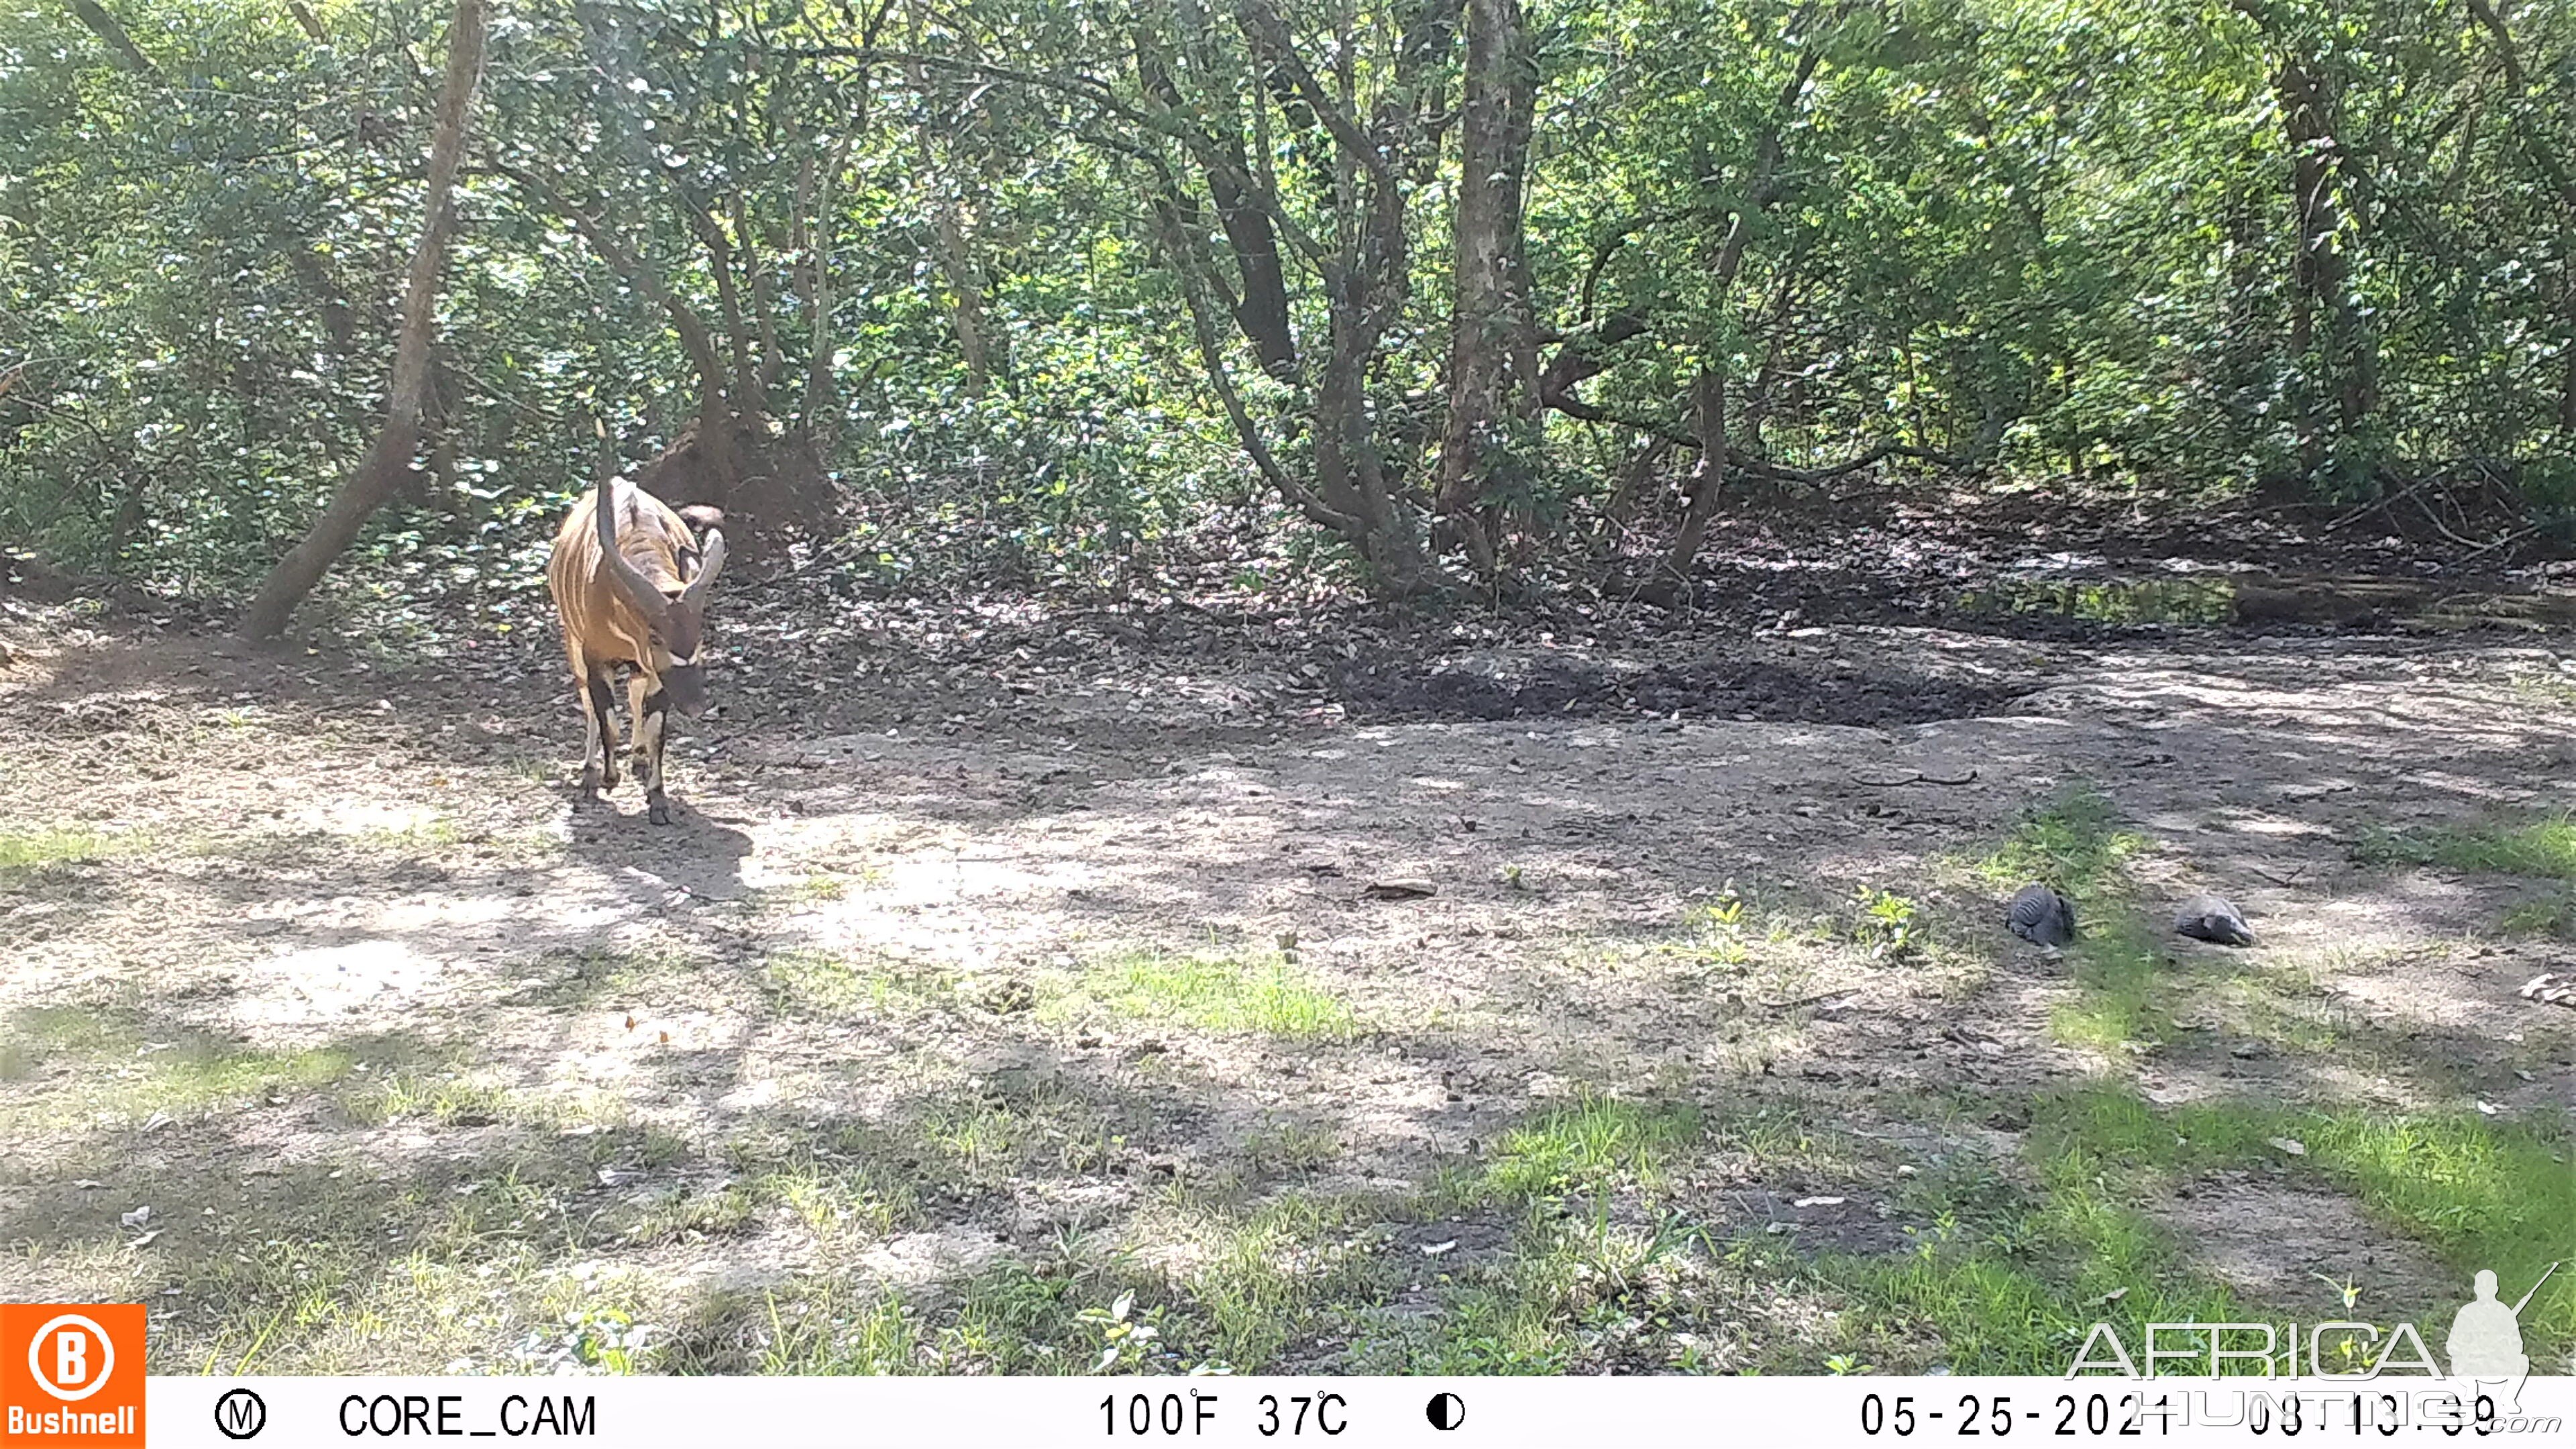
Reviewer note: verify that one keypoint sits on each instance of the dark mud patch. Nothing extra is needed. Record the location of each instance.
(1757, 690)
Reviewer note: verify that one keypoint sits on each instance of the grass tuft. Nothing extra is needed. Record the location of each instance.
(1586, 1146)
(44, 845)
(830, 984)
(2072, 842)
(1216, 993)
(2544, 849)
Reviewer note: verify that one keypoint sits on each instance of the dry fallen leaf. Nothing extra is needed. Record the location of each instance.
(2291, 1145)
(630, 1023)
(146, 1240)
(1817, 1202)
(666, 1038)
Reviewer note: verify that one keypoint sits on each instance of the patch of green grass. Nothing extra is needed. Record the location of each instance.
(688, 1214)
(2015, 1271)
(2115, 1005)
(856, 1202)
(2541, 848)
(476, 1294)
(1275, 1276)
(830, 984)
(1582, 1147)
(2553, 915)
(2481, 1192)
(2021, 1263)
(424, 832)
(1214, 993)
(2073, 842)
(443, 1098)
(122, 1077)
(814, 888)
(1037, 1127)
(1291, 1147)
(839, 1329)
(22, 848)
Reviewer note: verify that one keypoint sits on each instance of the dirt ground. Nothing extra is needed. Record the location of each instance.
(1012, 976)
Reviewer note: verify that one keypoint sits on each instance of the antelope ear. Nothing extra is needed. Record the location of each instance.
(700, 516)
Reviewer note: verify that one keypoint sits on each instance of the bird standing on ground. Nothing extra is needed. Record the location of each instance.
(2213, 918)
(2041, 916)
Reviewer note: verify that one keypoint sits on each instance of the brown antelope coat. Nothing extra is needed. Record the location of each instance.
(631, 584)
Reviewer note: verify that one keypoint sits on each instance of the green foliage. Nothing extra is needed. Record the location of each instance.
(2071, 843)
(2049, 239)
(2545, 849)
(1215, 992)
(2483, 1193)
(47, 846)
(1582, 1147)
(1885, 922)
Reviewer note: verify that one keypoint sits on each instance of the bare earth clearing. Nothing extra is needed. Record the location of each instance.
(988, 1006)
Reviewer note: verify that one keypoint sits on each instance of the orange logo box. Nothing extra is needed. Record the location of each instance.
(71, 1374)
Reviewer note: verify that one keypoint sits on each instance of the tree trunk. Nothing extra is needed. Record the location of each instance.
(948, 239)
(380, 471)
(2567, 393)
(764, 305)
(1708, 391)
(1261, 309)
(129, 56)
(1492, 345)
(2345, 367)
(1708, 476)
(745, 384)
(714, 426)
(822, 408)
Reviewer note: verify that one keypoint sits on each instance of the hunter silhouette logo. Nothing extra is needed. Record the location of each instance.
(2486, 1341)
(71, 1374)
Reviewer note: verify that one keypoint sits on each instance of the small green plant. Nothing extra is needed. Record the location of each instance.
(1843, 1363)
(1724, 913)
(1219, 993)
(1886, 923)
(1719, 925)
(607, 1340)
(1126, 1343)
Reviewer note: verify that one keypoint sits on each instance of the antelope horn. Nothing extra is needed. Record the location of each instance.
(638, 590)
(695, 595)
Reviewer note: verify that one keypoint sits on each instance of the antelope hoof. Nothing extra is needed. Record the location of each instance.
(658, 810)
(590, 782)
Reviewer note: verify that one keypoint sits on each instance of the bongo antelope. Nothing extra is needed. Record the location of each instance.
(631, 583)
